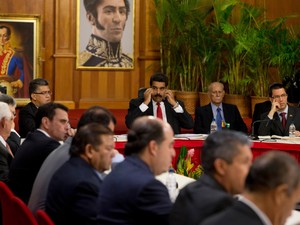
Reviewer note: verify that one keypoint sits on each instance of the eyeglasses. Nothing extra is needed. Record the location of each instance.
(280, 96)
(43, 93)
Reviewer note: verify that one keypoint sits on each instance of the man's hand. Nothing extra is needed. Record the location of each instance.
(274, 108)
(16, 84)
(147, 96)
(170, 97)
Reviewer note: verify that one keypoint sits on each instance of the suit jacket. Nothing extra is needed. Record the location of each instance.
(238, 214)
(199, 200)
(27, 119)
(27, 162)
(204, 115)
(73, 195)
(274, 126)
(130, 194)
(259, 110)
(14, 142)
(5, 159)
(176, 120)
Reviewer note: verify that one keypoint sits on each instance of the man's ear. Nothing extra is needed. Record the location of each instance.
(45, 122)
(90, 18)
(152, 145)
(88, 151)
(220, 166)
(280, 194)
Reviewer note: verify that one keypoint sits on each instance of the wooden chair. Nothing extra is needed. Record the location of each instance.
(43, 218)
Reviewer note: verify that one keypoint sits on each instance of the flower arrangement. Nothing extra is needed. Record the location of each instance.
(185, 165)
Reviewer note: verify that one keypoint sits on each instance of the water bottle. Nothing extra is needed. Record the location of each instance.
(292, 130)
(213, 126)
(172, 185)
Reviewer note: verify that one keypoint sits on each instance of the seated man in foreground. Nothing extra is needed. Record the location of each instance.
(131, 194)
(159, 102)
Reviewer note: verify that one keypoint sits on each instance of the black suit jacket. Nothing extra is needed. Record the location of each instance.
(274, 126)
(27, 162)
(176, 120)
(73, 194)
(204, 116)
(199, 200)
(5, 159)
(27, 119)
(238, 214)
(14, 142)
(259, 110)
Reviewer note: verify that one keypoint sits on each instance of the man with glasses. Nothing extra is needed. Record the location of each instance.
(281, 115)
(160, 102)
(221, 112)
(40, 94)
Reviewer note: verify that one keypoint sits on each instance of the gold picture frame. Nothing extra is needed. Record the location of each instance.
(95, 52)
(19, 53)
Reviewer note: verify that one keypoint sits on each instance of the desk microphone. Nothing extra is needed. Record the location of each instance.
(254, 136)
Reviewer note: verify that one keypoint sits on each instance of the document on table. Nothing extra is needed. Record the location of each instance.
(190, 136)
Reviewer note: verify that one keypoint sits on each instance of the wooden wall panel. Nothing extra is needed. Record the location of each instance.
(109, 88)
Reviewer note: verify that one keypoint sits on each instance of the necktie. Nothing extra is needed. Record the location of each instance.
(219, 119)
(283, 119)
(9, 150)
(158, 111)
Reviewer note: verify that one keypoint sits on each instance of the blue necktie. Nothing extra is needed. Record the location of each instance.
(219, 119)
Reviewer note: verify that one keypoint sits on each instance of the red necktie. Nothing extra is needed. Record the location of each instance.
(283, 120)
(158, 111)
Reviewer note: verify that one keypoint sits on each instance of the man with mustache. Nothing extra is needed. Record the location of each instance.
(108, 19)
(158, 101)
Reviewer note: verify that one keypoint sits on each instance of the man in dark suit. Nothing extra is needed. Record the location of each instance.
(226, 158)
(281, 115)
(271, 193)
(73, 195)
(259, 110)
(130, 194)
(39, 93)
(53, 126)
(6, 122)
(229, 114)
(172, 111)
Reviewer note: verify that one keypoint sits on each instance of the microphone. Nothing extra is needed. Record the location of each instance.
(255, 136)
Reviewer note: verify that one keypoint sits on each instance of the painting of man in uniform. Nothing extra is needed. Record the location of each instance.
(16, 57)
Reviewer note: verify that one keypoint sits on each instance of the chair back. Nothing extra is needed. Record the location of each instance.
(23, 215)
(43, 218)
(7, 213)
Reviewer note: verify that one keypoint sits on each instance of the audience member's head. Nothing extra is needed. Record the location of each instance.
(273, 184)
(6, 119)
(216, 93)
(151, 139)
(39, 91)
(53, 118)
(95, 144)
(98, 114)
(10, 101)
(226, 155)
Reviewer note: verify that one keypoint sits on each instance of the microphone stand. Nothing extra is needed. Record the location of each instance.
(255, 136)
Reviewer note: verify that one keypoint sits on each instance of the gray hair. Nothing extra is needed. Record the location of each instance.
(5, 111)
(8, 99)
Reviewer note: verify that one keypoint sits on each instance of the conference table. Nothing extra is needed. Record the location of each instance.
(258, 147)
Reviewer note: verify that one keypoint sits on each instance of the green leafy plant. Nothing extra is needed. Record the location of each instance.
(185, 166)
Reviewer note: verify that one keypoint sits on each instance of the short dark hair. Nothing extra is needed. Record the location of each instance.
(275, 86)
(8, 99)
(91, 7)
(7, 29)
(88, 134)
(35, 84)
(47, 110)
(159, 77)
(96, 114)
(224, 145)
(141, 133)
(272, 169)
